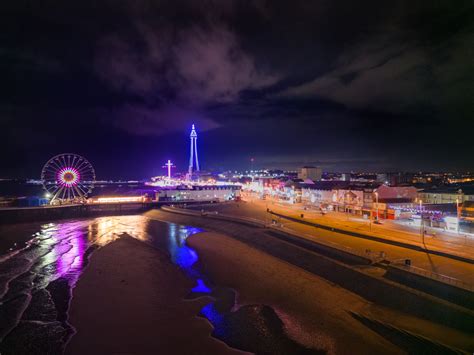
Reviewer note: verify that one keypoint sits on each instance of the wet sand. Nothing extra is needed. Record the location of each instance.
(130, 300)
(315, 312)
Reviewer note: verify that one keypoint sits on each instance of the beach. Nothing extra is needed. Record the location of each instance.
(131, 300)
(140, 285)
(315, 312)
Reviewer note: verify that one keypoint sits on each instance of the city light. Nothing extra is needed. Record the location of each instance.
(119, 199)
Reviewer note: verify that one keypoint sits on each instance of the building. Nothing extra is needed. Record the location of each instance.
(310, 172)
(438, 196)
(346, 176)
(466, 220)
(361, 199)
(395, 178)
(332, 195)
(199, 193)
(319, 194)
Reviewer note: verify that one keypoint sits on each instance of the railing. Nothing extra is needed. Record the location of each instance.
(435, 276)
(215, 215)
(371, 256)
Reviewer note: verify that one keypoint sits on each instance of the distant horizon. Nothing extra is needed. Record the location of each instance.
(262, 169)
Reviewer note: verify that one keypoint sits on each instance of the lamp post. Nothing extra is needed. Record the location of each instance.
(422, 226)
(266, 212)
(457, 214)
(370, 218)
(377, 204)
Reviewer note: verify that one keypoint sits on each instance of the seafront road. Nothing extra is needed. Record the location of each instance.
(456, 245)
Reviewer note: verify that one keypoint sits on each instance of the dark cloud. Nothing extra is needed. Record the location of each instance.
(146, 121)
(392, 76)
(346, 84)
(176, 72)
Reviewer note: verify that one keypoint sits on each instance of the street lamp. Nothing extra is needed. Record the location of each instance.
(422, 226)
(377, 204)
(457, 213)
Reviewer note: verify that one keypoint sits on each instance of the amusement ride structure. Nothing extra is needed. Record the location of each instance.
(68, 178)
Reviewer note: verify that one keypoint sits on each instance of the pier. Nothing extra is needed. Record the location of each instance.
(44, 213)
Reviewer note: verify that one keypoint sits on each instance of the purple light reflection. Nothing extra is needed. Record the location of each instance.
(69, 262)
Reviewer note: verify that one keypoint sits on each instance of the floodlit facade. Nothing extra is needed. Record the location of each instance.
(445, 196)
(359, 199)
(200, 193)
(310, 172)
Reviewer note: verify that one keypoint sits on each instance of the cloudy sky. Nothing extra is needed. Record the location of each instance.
(348, 85)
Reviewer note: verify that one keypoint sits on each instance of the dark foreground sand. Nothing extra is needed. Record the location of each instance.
(314, 311)
(130, 300)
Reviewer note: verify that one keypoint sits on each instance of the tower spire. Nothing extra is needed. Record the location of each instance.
(193, 158)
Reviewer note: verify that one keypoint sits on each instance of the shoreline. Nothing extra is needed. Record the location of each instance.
(316, 322)
(150, 286)
(141, 307)
(414, 321)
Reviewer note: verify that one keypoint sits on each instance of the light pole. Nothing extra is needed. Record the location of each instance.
(422, 227)
(266, 212)
(377, 205)
(370, 218)
(457, 213)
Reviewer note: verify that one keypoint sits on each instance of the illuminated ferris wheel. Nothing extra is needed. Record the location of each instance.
(68, 177)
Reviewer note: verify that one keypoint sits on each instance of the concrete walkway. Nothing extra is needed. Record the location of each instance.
(427, 262)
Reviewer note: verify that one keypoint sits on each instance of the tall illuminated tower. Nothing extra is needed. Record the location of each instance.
(194, 152)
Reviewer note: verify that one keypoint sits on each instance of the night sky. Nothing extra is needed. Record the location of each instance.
(363, 85)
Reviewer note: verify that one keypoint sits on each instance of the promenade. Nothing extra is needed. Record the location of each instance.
(420, 259)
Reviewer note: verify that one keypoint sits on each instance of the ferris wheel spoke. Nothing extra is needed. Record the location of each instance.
(59, 162)
(53, 191)
(73, 159)
(58, 192)
(81, 187)
(52, 170)
(79, 191)
(64, 161)
(75, 162)
(56, 165)
(64, 193)
(84, 167)
(51, 187)
(80, 164)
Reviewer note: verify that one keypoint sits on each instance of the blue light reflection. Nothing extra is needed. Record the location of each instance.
(201, 287)
(215, 318)
(184, 256)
